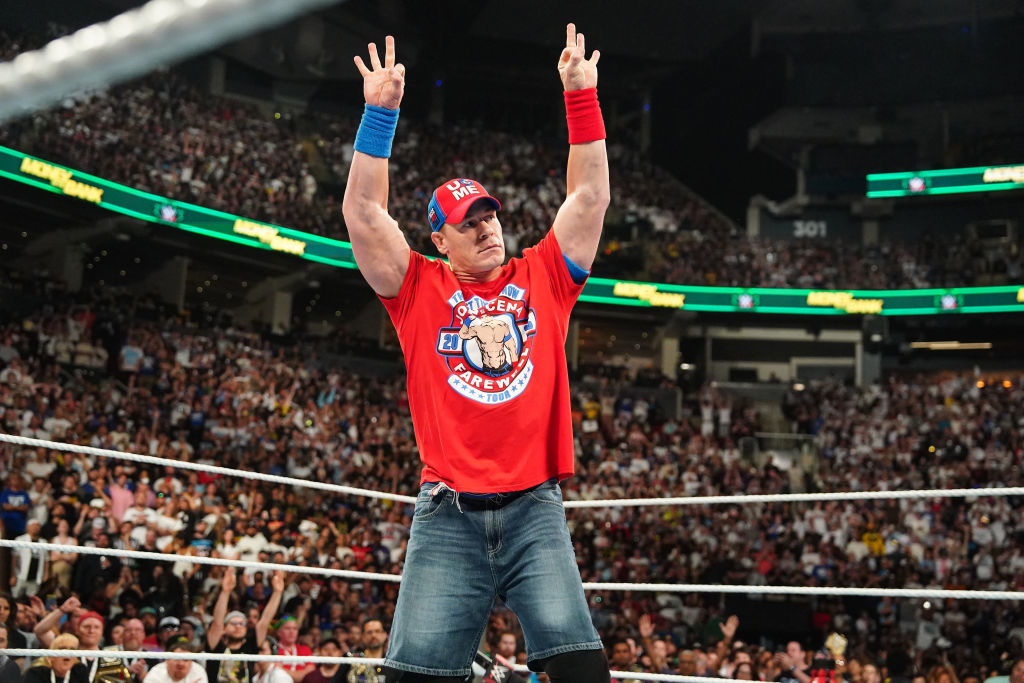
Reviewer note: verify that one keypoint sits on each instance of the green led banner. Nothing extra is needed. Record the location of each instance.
(1003, 299)
(172, 213)
(945, 181)
(211, 223)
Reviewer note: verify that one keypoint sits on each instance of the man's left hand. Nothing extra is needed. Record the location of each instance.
(576, 71)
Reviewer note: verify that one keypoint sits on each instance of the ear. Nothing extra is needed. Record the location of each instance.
(438, 239)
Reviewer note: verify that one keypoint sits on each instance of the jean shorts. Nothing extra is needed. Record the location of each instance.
(462, 553)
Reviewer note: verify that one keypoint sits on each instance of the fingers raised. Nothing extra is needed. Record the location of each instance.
(389, 51)
(570, 35)
(594, 57)
(374, 57)
(363, 70)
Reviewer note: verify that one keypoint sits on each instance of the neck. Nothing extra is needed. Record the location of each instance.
(374, 652)
(477, 277)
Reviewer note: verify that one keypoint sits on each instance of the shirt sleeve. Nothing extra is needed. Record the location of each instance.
(549, 253)
(399, 306)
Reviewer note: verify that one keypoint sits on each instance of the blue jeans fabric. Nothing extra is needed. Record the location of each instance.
(462, 553)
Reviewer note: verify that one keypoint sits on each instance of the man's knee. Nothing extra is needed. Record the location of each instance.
(581, 666)
(396, 676)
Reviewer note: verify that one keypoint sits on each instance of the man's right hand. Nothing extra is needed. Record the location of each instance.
(227, 584)
(384, 85)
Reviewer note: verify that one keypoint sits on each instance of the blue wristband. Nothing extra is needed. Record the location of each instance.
(376, 131)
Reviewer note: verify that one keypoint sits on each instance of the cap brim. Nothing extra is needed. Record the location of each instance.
(459, 214)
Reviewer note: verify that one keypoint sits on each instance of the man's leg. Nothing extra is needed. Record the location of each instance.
(540, 582)
(396, 676)
(584, 665)
(446, 592)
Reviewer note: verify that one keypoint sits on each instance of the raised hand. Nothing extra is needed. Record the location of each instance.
(646, 626)
(277, 581)
(384, 84)
(228, 582)
(576, 71)
(729, 627)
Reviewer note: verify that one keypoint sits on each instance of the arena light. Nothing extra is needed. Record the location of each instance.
(951, 346)
(945, 181)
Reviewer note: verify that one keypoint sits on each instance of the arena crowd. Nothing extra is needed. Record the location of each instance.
(110, 371)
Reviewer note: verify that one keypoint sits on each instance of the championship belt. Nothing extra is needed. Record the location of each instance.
(836, 644)
(112, 670)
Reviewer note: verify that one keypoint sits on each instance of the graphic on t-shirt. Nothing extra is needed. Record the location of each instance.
(487, 345)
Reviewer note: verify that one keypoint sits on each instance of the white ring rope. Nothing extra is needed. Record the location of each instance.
(199, 467)
(313, 659)
(133, 43)
(197, 559)
(191, 656)
(611, 502)
(931, 593)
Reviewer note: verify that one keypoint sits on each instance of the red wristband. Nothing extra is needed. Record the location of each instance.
(583, 114)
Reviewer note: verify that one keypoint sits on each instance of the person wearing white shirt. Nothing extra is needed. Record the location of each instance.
(178, 670)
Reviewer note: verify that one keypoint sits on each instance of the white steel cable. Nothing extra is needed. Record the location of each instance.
(14, 653)
(931, 593)
(199, 467)
(133, 43)
(197, 559)
(611, 502)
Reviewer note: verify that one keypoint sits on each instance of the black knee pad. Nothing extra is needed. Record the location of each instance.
(580, 666)
(396, 676)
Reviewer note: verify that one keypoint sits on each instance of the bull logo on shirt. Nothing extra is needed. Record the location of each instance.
(487, 345)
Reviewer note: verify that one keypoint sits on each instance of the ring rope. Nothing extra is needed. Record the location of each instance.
(611, 502)
(134, 43)
(15, 653)
(932, 593)
(199, 467)
(197, 559)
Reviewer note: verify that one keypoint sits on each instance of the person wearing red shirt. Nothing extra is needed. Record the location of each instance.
(484, 345)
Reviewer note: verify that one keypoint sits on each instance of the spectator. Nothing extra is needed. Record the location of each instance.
(178, 670)
(270, 672)
(15, 503)
(229, 632)
(48, 669)
(327, 673)
(31, 566)
(373, 642)
(10, 671)
(287, 633)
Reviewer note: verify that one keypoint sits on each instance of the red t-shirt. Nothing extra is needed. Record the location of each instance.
(490, 398)
(296, 650)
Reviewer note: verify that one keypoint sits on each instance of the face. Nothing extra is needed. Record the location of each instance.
(90, 632)
(869, 674)
(507, 645)
(621, 654)
(687, 664)
(117, 635)
(5, 610)
(3, 638)
(330, 650)
(744, 672)
(62, 665)
(289, 632)
(235, 628)
(374, 635)
(178, 668)
(795, 652)
(134, 634)
(474, 245)
(1017, 672)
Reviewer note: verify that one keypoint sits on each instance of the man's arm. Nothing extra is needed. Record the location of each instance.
(263, 625)
(579, 220)
(378, 244)
(220, 610)
(44, 629)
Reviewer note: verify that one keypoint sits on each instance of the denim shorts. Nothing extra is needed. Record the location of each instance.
(462, 553)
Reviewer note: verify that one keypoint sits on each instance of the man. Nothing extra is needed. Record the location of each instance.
(30, 569)
(10, 672)
(466, 382)
(327, 673)
(229, 631)
(14, 504)
(793, 663)
(178, 670)
(373, 638)
(132, 641)
(624, 658)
